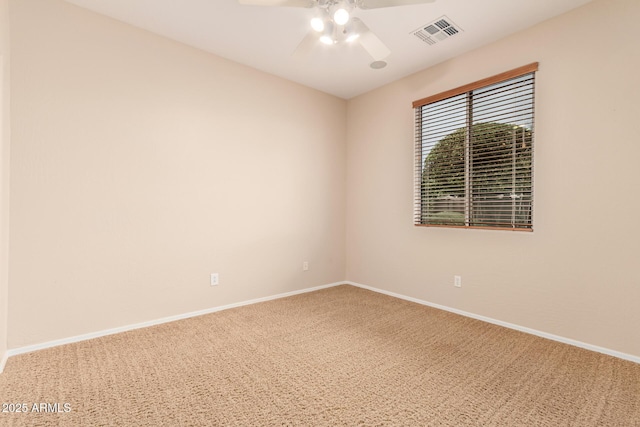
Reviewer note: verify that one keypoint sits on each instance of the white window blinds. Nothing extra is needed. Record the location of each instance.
(474, 154)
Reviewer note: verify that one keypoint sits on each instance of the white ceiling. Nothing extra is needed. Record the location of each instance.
(265, 37)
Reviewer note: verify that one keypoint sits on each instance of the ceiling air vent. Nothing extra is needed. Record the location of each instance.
(437, 31)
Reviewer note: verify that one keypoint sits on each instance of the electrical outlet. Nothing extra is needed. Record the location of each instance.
(305, 266)
(457, 281)
(215, 279)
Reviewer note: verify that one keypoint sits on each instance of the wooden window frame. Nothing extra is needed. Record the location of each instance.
(468, 88)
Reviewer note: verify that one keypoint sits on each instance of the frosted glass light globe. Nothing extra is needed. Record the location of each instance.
(317, 24)
(341, 17)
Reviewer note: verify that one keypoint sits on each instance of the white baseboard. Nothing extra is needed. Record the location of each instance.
(84, 337)
(553, 337)
(3, 361)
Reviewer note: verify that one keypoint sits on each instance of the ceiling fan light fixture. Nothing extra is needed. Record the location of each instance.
(317, 24)
(328, 40)
(341, 16)
(328, 34)
(350, 32)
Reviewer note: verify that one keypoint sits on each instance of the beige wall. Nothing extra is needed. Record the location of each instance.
(577, 274)
(4, 172)
(140, 166)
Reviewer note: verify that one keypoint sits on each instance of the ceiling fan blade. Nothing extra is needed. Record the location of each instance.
(307, 43)
(377, 4)
(370, 42)
(285, 3)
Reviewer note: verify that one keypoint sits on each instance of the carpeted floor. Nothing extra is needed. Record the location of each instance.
(339, 356)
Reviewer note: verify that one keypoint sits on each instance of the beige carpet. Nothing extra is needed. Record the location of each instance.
(340, 356)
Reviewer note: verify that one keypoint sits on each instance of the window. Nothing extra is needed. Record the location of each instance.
(474, 154)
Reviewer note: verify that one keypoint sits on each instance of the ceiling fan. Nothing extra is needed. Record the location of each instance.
(333, 22)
